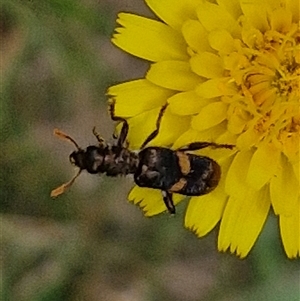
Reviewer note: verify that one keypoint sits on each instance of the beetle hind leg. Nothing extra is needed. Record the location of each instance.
(199, 145)
(168, 199)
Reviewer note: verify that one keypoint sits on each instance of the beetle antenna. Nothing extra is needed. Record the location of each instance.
(62, 188)
(64, 136)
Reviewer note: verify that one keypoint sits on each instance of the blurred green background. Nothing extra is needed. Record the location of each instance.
(90, 244)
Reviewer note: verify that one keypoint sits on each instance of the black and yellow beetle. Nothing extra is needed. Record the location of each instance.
(171, 171)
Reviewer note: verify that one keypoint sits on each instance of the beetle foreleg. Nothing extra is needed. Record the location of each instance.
(125, 127)
(156, 131)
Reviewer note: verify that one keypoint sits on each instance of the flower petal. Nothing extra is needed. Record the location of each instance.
(216, 87)
(281, 20)
(208, 13)
(236, 176)
(150, 200)
(222, 41)
(140, 37)
(232, 6)
(175, 75)
(187, 103)
(242, 221)
(248, 138)
(293, 7)
(196, 36)
(290, 232)
(296, 169)
(135, 97)
(204, 212)
(291, 143)
(204, 121)
(262, 166)
(284, 189)
(226, 138)
(173, 12)
(207, 64)
(192, 135)
(256, 12)
(236, 120)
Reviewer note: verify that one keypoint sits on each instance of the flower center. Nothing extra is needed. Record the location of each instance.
(266, 70)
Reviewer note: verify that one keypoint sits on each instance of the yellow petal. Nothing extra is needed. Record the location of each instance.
(135, 97)
(196, 36)
(186, 103)
(216, 87)
(236, 121)
(236, 176)
(208, 13)
(140, 36)
(222, 41)
(226, 138)
(207, 64)
(219, 155)
(291, 145)
(247, 139)
(228, 223)
(281, 20)
(256, 12)
(192, 135)
(173, 12)
(293, 7)
(290, 232)
(284, 189)
(251, 37)
(232, 6)
(242, 221)
(263, 165)
(209, 89)
(296, 169)
(175, 75)
(150, 200)
(204, 212)
(204, 121)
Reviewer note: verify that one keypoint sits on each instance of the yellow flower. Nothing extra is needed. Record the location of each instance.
(230, 73)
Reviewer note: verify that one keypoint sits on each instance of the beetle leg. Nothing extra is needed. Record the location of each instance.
(125, 127)
(122, 138)
(167, 196)
(98, 137)
(156, 131)
(200, 145)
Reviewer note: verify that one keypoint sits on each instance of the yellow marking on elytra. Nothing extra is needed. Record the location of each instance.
(178, 185)
(184, 162)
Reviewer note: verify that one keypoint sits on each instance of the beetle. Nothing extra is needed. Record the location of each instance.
(171, 171)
